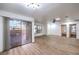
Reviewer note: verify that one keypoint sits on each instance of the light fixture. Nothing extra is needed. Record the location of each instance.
(32, 5)
(55, 19)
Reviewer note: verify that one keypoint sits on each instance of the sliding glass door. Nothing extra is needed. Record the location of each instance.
(20, 32)
(15, 33)
(26, 32)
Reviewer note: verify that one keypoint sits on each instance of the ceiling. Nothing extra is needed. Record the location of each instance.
(46, 11)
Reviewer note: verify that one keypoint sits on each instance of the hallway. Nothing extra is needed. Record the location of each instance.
(47, 45)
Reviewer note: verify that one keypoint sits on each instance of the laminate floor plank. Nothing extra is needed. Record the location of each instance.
(47, 45)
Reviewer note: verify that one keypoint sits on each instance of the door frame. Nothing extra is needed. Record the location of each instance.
(70, 31)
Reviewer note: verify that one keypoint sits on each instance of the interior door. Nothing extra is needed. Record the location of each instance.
(15, 33)
(73, 30)
(63, 30)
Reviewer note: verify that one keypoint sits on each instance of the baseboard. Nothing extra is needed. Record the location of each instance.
(40, 36)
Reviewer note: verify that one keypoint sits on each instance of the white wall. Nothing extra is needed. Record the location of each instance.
(77, 27)
(1, 34)
(13, 15)
(54, 28)
(17, 16)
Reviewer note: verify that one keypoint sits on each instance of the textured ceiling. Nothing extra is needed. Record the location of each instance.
(45, 11)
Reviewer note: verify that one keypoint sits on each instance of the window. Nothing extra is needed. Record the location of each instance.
(37, 29)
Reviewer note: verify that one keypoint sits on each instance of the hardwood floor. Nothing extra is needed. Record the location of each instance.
(47, 45)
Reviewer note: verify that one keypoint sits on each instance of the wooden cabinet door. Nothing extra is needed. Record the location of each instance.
(63, 30)
(72, 30)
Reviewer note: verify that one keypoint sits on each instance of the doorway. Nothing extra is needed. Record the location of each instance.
(20, 32)
(64, 30)
(72, 30)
